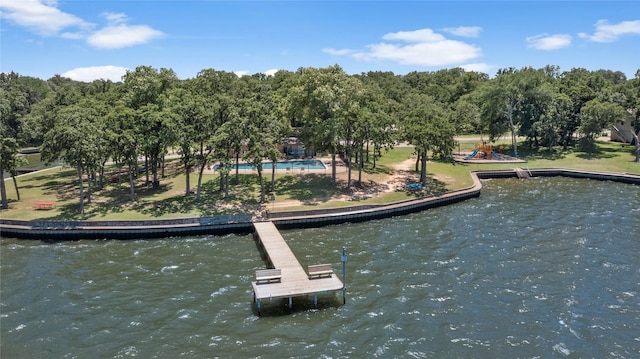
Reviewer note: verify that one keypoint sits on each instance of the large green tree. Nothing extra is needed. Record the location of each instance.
(223, 139)
(144, 89)
(322, 102)
(634, 90)
(514, 100)
(595, 117)
(374, 126)
(13, 105)
(220, 88)
(581, 86)
(425, 125)
(215, 88)
(500, 98)
(190, 112)
(549, 124)
(538, 94)
(124, 140)
(17, 95)
(466, 116)
(9, 160)
(76, 138)
(354, 122)
(263, 130)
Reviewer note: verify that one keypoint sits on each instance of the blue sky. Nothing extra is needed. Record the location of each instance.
(89, 39)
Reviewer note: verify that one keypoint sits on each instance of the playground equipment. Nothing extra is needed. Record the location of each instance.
(485, 152)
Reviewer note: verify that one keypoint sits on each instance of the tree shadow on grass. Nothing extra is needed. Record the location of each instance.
(211, 202)
(66, 191)
(309, 188)
(593, 156)
(110, 200)
(149, 193)
(115, 199)
(68, 211)
(173, 205)
(64, 174)
(432, 187)
(543, 153)
(379, 169)
(601, 152)
(64, 181)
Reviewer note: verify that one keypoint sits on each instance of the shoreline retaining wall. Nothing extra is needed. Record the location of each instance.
(51, 230)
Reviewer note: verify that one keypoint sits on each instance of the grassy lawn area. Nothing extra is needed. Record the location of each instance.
(293, 191)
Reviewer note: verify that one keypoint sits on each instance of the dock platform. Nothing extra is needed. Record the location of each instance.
(294, 280)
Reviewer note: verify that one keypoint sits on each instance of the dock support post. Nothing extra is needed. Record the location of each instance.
(315, 301)
(344, 275)
(290, 302)
(258, 301)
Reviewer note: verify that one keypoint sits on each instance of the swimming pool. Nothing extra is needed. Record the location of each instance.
(283, 165)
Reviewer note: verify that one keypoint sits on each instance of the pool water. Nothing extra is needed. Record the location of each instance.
(283, 165)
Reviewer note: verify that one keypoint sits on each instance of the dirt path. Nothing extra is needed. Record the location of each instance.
(400, 176)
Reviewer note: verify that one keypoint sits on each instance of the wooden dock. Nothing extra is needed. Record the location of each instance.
(294, 281)
(522, 173)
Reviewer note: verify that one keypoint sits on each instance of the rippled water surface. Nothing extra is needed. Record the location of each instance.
(540, 268)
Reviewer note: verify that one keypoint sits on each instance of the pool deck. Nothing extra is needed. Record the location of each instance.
(295, 169)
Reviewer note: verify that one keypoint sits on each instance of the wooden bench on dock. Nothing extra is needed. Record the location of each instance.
(264, 276)
(44, 205)
(320, 270)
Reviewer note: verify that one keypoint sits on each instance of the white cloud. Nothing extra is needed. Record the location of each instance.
(40, 16)
(115, 18)
(338, 52)
(88, 74)
(420, 47)
(241, 73)
(477, 67)
(549, 42)
(418, 36)
(119, 36)
(271, 72)
(464, 31)
(45, 19)
(606, 32)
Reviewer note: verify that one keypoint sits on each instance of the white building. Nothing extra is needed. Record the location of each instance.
(623, 130)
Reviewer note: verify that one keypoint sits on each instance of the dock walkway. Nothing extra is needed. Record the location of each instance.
(522, 173)
(294, 281)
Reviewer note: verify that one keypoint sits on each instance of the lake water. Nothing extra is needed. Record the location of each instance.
(532, 268)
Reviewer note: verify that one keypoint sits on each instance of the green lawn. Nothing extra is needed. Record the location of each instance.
(59, 185)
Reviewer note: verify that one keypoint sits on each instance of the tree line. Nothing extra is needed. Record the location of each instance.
(218, 116)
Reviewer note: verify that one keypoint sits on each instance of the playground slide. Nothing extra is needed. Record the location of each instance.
(472, 155)
(497, 156)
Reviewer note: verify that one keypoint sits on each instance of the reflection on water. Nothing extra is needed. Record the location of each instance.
(538, 268)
